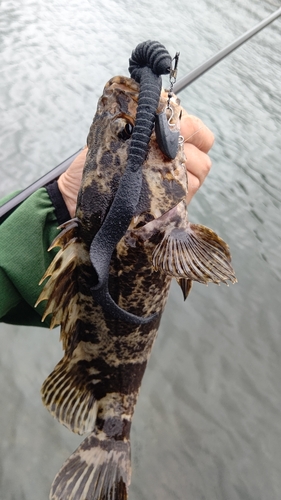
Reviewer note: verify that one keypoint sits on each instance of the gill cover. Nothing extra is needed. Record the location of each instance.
(148, 61)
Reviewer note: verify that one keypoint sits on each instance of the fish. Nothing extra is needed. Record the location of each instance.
(107, 339)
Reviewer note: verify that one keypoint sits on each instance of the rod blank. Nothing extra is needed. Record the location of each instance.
(200, 70)
(53, 174)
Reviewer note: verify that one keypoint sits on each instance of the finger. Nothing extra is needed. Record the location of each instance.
(69, 181)
(196, 132)
(198, 165)
(76, 168)
(193, 186)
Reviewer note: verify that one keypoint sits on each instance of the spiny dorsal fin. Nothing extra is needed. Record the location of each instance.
(61, 289)
(195, 253)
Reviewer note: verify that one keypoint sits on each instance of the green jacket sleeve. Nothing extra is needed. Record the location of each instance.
(25, 237)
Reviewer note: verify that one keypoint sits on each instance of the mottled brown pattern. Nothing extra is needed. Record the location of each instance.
(95, 387)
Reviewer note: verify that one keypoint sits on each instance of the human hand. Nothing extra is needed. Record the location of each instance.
(198, 140)
(70, 181)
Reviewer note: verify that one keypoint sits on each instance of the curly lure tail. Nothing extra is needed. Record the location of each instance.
(148, 61)
(100, 469)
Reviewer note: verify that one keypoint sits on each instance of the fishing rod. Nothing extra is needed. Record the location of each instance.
(7, 208)
(205, 66)
(53, 174)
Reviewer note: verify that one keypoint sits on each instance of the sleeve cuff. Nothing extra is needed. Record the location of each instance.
(61, 211)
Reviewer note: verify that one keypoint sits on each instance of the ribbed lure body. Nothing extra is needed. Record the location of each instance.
(148, 61)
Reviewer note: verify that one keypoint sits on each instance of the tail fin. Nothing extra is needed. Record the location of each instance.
(100, 469)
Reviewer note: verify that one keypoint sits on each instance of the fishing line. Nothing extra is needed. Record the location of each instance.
(212, 61)
(194, 133)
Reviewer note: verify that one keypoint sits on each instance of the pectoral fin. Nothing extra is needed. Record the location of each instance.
(194, 253)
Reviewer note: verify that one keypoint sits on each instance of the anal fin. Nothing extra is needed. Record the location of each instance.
(66, 394)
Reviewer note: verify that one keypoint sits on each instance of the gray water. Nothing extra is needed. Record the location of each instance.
(208, 420)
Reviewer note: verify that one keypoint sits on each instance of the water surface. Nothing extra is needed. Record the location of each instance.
(208, 421)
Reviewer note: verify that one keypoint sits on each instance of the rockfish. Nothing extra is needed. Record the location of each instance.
(108, 335)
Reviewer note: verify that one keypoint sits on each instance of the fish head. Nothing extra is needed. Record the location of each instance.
(164, 181)
(108, 143)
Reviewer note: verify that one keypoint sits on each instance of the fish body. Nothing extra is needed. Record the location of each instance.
(95, 387)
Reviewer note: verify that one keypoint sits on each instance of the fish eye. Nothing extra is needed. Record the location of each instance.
(126, 132)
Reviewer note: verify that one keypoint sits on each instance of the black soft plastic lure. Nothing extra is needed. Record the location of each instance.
(148, 61)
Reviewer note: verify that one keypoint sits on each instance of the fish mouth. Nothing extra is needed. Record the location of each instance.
(124, 83)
